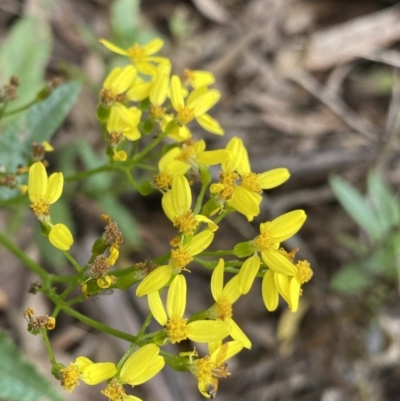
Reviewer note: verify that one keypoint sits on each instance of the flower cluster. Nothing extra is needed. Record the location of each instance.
(143, 98)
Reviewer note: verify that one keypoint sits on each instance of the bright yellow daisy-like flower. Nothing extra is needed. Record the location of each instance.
(180, 258)
(176, 326)
(289, 287)
(44, 191)
(125, 121)
(195, 106)
(239, 187)
(209, 369)
(225, 297)
(141, 56)
(139, 368)
(87, 371)
(195, 154)
(198, 78)
(117, 82)
(281, 268)
(177, 203)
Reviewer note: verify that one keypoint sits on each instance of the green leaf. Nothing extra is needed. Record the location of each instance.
(38, 125)
(386, 204)
(25, 54)
(356, 206)
(19, 380)
(351, 278)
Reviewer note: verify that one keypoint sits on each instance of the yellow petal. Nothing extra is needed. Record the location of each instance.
(55, 187)
(217, 280)
(201, 78)
(238, 335)
(210, 124)
(235, 146)
(282, 284)
(37, 184)
(98, 372)
(113, 48)
(248, 272)
(120, 79)
(231, 289)
(203, 219)
(153, 46)
(212, 157)
(199, 242)
(139, 92)
(156, 308)
(205, 331)
(151, 371)
(278, 263)
(138, 363)
(285, 226)
(159, 88)
(205, 102)
(294, 294)
(156, 280)
(226, 351)
(176, 93)
(166, 203)
(245, 201)
(176, 299)
(273, 178)
(269, 291)
(181, 195)
(82, 362)
(61, 237)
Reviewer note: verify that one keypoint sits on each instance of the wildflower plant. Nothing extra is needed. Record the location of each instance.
(146, 113)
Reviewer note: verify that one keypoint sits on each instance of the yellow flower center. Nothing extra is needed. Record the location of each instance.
(187, 154)
(157, 112)
(41, 208)
(264, 242)
(222, 309)
(186, 223)
(176, 329)
(136, 53)
(163, 181)
(70, 376)
(304, 271)
(180, 258)
(185, 115)
(227, 182)
(114, 391)
(107, 96)
(251, 183)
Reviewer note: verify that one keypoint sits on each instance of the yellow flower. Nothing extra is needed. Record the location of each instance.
(139, 368)
(198, 78)
(180, 258)
(156, 90)
(117, 82)
(124, 121)
(141, 56)
(196, 106)
(225, 297)
(239, 187)
(177, 203)
(44, 191)
(177, 328)
(209, 369)
(194, 154)
(87, 371)
(168, 168)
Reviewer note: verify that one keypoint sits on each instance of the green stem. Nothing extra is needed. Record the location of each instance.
(47, 345)
(88, 173)
(222, 215)
(19, 253)
(97, 325)
(74, 263)
(22, 108)
(200, 198)
(218, 253)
